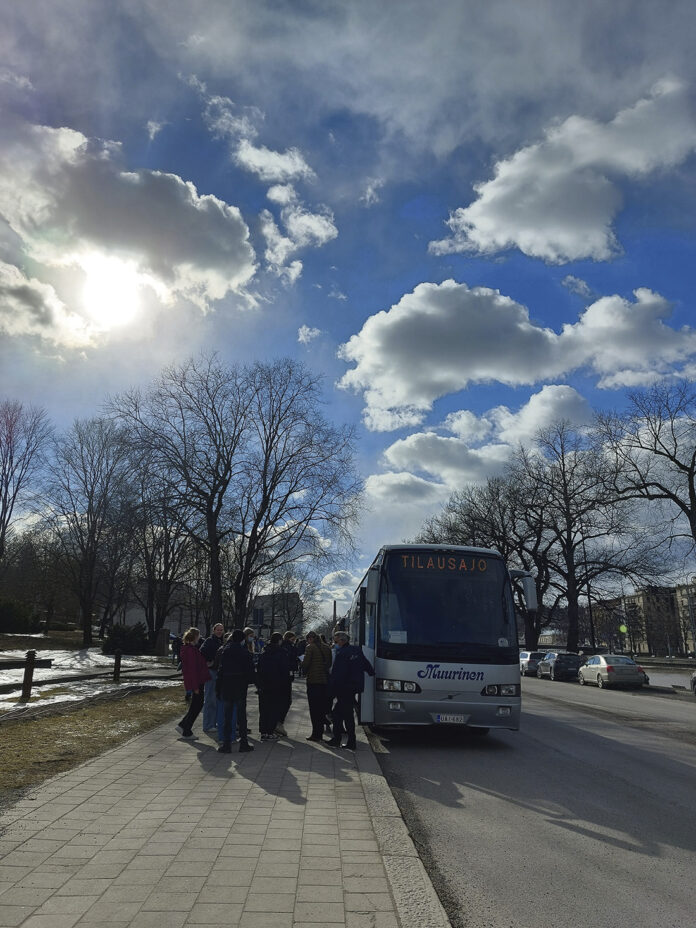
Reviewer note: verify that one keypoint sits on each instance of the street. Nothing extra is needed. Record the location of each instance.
(585, 816)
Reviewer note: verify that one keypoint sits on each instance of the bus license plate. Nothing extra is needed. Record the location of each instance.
(451, 719)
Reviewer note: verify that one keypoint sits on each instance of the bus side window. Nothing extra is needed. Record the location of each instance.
(370, 625)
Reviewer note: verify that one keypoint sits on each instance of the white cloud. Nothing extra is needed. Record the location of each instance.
(337, 294)
(30, 307)
(556, 199)
(371, 194)
(154, 128)
(467, 426)
(305, 334)
(15, 80)
(67, 199)
(451, 460)
(303, 229)
(551, 404)
(272, 166)
(442, 337)
(576, 285)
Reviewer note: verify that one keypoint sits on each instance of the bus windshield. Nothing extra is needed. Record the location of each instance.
(445, 598)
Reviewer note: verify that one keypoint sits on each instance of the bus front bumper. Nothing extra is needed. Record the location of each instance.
(405, 709)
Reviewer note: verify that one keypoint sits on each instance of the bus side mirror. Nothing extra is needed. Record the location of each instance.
(372, 586)
(530, 595)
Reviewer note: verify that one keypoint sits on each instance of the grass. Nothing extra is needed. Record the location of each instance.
(35, 749)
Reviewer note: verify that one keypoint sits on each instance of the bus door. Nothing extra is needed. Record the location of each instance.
(368, 621)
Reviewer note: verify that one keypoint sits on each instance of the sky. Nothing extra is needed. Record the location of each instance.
(471, 219)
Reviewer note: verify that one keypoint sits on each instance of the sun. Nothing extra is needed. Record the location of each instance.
(111, 291)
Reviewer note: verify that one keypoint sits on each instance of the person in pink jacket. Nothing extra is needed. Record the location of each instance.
(196, 673)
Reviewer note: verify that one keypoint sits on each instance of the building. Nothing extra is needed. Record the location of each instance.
(277, 612)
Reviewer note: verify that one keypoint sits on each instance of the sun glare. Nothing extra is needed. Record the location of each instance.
(111, 292)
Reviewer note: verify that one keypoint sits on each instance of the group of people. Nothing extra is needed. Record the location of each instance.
(219, 670)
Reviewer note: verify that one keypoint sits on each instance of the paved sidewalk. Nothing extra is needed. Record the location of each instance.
(167, 832)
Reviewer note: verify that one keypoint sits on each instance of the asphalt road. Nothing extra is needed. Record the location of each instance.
(585, 817)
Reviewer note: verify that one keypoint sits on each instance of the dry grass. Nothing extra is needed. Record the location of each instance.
(35, 749)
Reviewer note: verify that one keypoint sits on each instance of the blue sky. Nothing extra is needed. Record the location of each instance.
(471, 219)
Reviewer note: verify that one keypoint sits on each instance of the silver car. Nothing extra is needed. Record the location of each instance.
(612, 670)
(529, 661)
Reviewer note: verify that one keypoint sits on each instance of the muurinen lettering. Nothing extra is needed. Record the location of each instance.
(433, 672)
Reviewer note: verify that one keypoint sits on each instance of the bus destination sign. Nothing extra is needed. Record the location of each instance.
(441, 562)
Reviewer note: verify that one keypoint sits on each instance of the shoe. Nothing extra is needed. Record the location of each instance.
(225, 748)
(188, 734)
(312, 738)
(245, 747)
(180, 729)
(334, 743)
(351, 746)
(280, 730)
(270, 737)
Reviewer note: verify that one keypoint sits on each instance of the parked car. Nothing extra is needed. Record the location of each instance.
(529, 661)
(559, 665)
(612, 670)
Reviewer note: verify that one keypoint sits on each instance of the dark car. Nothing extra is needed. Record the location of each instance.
(560, 665)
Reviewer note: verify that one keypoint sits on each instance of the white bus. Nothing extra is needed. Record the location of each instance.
(438, 624)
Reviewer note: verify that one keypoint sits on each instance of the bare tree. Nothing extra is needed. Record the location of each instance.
(298, 491)
(654, 448)
(594, 537)
(163, 544)
(24, 434)
(85, 494)
(192, 422)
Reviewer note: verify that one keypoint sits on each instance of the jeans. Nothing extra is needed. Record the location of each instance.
(210, 702)
(221, 721)
(235, 704)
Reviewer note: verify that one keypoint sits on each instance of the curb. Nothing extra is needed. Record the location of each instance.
(416, 901)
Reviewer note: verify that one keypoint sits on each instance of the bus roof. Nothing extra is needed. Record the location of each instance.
(469, 549)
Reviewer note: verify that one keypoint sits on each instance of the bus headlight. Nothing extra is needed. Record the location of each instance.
(397, 686)
(389, 686)
(501, 689)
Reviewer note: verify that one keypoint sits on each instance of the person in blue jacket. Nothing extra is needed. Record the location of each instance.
(347, 678)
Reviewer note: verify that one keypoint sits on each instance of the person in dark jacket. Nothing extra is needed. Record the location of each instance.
(196, 674)
(347, 678)
(273, 673)
(288, 645)
(317, 663)
(235, 676)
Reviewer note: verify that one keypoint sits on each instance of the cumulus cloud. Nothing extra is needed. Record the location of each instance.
(30, 307)
(305, 334)
(302, 229)
(449, 459)
(557, 199)
(476, 448)
(239, 126)
(67, 199)
(271, 165)
(442, 337)
(576, 285)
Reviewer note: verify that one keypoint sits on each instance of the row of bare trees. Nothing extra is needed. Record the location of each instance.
(589, 509)
(223, 478)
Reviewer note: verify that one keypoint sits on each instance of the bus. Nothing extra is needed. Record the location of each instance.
(438, 624)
